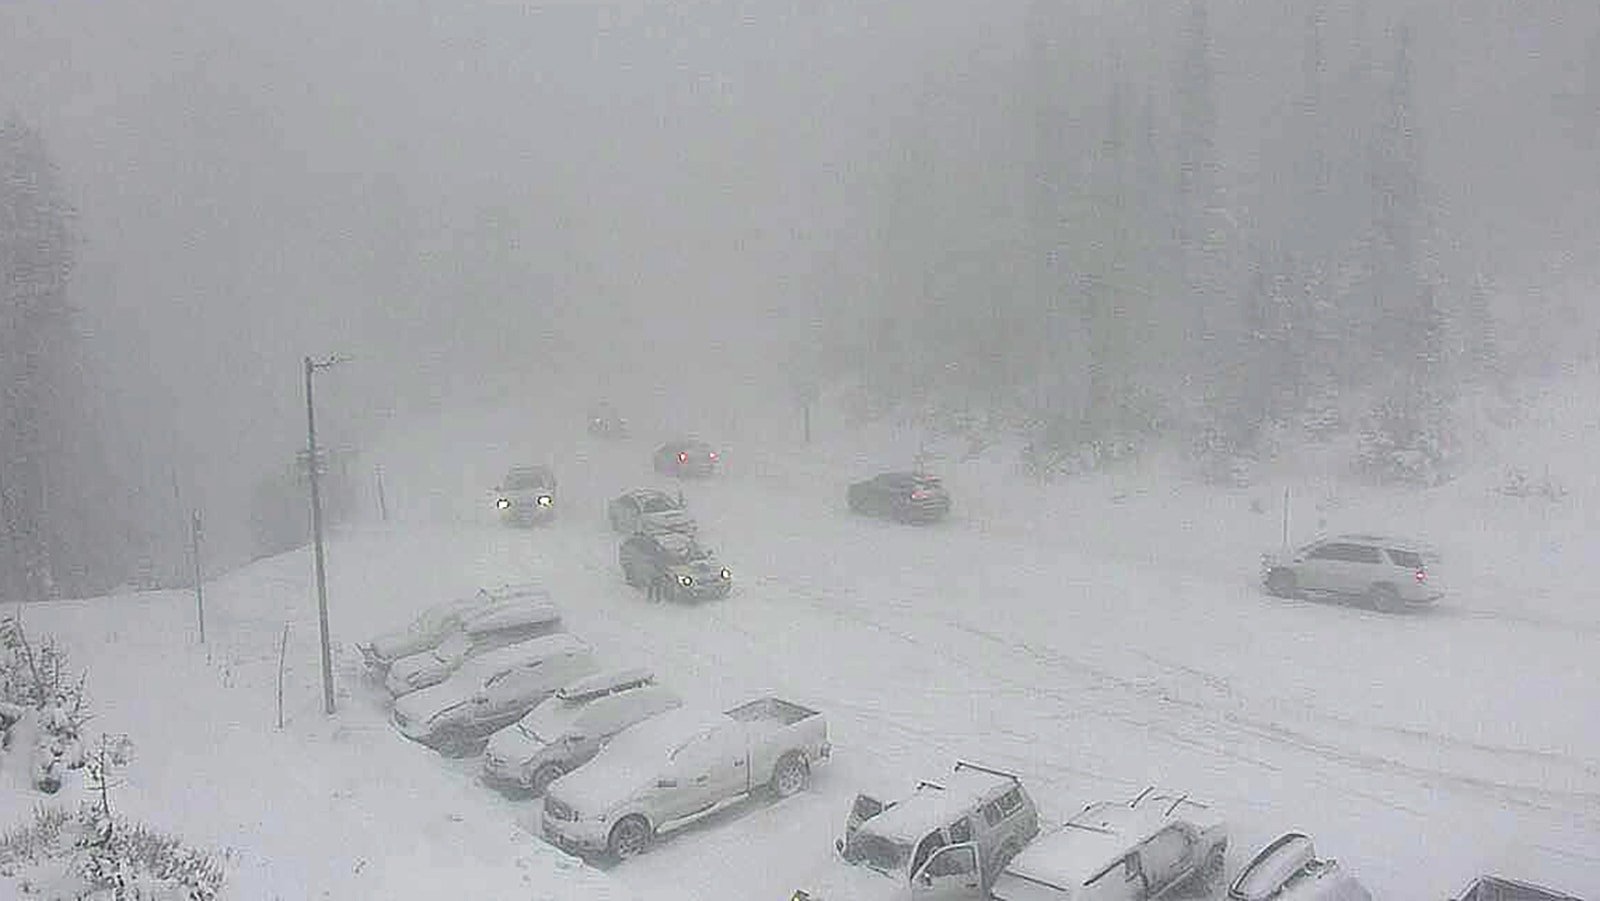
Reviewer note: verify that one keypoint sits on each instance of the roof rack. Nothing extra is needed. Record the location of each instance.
(968, 765)
(1141, 796)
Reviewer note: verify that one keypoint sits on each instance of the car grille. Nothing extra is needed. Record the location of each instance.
(558, 811)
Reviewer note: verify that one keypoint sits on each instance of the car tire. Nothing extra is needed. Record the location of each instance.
(1385, 599)
(454, 744)
(544, 775)
(629, 838)
(790, 776)
(1281, 583)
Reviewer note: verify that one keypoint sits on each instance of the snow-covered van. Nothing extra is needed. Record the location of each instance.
(942, 841)
(1289, 870)
(679, 767)
(1150, 847)
(568, 729)
(491, 691)
(496, 625)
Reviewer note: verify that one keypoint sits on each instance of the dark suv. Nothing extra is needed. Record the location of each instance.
(671, 566)
(905, 496)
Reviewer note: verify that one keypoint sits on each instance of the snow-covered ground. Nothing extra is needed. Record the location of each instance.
(1097, 636)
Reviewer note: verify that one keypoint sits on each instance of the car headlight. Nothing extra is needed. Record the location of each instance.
(503, 503)
(686, 581)
(545, 500)
(727, 573)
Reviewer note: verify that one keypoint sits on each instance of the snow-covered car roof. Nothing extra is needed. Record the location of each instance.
(1485, 888)
(605, 714)
(658, 737)
(937, 804)
(511, 614)
(1102, 833)
(1289, 870)
(500, 659)
(511, 591)
(603, 683)
(1397, 542)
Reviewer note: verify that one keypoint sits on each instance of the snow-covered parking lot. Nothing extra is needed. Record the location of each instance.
(1093, 639)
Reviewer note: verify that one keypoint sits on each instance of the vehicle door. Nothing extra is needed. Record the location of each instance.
(685, 786)
(949, 874)
(732, 760)
(1122, 881)
(1366, 567)
(1320, 571)
(1166, 859)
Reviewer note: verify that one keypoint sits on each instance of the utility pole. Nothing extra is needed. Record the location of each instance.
(312, 463)
(383, 504)
(199, 596)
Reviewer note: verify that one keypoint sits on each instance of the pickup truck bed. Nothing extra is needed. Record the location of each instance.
(774, 710)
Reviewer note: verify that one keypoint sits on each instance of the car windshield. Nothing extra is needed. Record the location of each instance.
(658, 504)
(524, 482)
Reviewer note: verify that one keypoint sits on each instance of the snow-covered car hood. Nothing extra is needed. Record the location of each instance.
(512, 745)
(400, 643)
(540, 728)
(601, 785)
(414, 671)
(416, 712)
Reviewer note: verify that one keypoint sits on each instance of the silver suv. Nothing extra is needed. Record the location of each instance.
(1389, 573)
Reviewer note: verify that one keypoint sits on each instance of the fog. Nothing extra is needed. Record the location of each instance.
(482, 200)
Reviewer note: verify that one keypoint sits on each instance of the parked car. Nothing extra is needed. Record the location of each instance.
(430, 627)
(491, 691)
(1499, 888)
(605, 423)
(526, 496)
(1289, 870)
(1389, 573)
(649, 510)
(909, 497)
(678, 767)
(1146, 848)
(687, 458)
(984, 810)
(566, 731)
(502, 623)
(437, 623)
(673, 567)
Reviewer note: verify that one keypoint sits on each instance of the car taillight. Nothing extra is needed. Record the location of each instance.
(713, 455)
(1421, 576)
(919, 495)
(683, 457)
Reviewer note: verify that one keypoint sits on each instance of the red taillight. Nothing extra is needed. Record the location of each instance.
(713, 455)
(683, 457)
(919, 495)
(1421, 576)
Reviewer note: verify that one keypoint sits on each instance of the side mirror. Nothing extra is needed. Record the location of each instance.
(838, 845)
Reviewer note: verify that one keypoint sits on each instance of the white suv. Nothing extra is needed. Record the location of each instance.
(1389, 573)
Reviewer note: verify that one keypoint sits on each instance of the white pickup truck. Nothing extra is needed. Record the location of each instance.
(679, 767)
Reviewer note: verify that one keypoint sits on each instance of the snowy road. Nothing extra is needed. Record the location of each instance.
(1407, 745)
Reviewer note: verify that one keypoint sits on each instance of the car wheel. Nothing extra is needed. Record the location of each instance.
(790, 775)
(454, 745)
(1384, 598)
(543, 776)
(629, 838)
(1281, 583)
